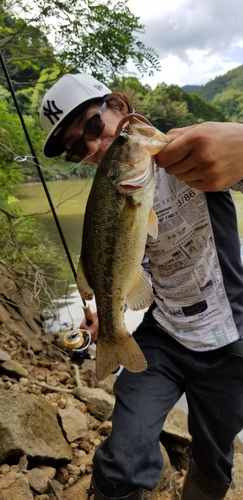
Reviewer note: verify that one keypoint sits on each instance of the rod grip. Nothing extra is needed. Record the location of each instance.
(88, 315)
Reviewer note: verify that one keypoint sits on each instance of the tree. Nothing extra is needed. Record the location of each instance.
(91, 36)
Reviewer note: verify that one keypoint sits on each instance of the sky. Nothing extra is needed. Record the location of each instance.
(196, 40)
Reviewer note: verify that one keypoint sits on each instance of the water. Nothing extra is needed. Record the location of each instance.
(71, 214)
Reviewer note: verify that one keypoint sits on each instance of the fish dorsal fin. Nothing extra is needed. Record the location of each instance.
(83, 287)
(141, 295)
(153, 224)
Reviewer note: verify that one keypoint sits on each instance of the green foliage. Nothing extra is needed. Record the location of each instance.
(89, 36)
(168, 106)
(227, 93)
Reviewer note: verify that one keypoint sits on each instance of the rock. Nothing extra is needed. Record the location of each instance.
(62, 475)
(108, 383)
(13, 368)
(14, 486)
(73, 423)
(57, 488)
(238, 445)
(105, 428)
(49, 471)
(36, 345)
(237, 492)
(86, 460)
(76, 492)
(23, 463)
(73, 469)
(85, 445)
(4, 469)
(98, 402)
(38, 480)
(28, 426)
(23, 381)
(63, 376)
(175, 435)
(4, 356)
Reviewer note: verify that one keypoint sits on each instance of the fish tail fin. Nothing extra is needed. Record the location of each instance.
(123, 351)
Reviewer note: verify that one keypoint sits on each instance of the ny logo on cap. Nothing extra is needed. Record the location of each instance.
(98, 87)
(52, 111)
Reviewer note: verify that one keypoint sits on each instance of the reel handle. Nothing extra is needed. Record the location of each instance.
(88, 315)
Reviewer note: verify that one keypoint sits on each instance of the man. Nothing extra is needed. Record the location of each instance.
(191, 335)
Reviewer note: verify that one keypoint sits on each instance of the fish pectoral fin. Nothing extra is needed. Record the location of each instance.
(141, 295)
(122, 350)
(153, 224)
(83, 287)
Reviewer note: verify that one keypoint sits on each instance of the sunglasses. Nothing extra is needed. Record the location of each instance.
(92, 130)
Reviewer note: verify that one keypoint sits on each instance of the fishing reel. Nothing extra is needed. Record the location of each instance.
(78, 342)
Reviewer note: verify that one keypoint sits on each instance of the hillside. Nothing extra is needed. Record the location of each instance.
(226, 91)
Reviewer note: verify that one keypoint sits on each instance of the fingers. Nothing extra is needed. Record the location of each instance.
(174, 133)
(93, 328)
(175, 152)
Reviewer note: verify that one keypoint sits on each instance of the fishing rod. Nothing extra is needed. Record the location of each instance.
(88, 314)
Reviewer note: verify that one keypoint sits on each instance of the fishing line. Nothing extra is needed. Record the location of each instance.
(21, 159)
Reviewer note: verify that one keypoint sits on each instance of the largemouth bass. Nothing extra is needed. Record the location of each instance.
(118, 217)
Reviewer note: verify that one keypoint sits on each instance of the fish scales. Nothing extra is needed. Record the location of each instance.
(115, 230)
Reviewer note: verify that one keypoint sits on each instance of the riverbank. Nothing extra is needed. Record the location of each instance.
(54, 414)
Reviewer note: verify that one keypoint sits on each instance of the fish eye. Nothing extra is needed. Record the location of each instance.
(122, 138)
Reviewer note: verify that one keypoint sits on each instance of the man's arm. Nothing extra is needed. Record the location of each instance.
(208, 156)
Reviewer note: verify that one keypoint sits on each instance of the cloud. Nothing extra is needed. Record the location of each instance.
(211, 26)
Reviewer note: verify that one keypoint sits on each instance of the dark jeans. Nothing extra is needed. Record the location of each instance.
(213, 383)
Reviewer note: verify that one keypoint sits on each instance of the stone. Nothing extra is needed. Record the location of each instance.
(29, 426)
(73, 423)
(87, 460)
(4, 469)
(108, 383)
(175, 435)
(238, 445)
(98, 402)
(38, 480)
(73, 469)
(105, 428)
(63, 376)
(49, 471)
(237, 492)
(23, 381)
(15, 486)
(4, 356)
(13, 368)
(23, 463)
(36, 345)
(57, 488)
(62, 475)
(76, 492)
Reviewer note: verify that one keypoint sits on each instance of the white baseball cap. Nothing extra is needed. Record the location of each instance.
(61, 105)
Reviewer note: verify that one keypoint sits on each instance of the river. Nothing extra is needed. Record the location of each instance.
(32, 199)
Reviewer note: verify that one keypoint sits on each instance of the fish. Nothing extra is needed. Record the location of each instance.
(118, 217)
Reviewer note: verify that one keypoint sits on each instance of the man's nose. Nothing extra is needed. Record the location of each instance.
(92, 146)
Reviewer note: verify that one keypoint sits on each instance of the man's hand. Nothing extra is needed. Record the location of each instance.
(208, 156)
(93, 329)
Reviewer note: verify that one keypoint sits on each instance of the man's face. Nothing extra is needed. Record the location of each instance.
(97, 147)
